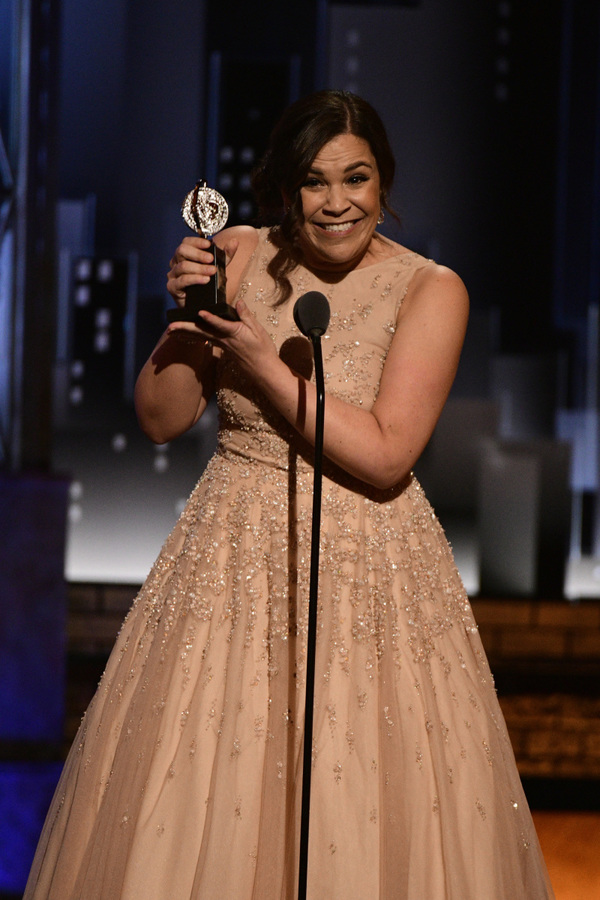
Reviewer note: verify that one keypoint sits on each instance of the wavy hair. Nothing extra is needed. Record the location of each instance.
(304, 128)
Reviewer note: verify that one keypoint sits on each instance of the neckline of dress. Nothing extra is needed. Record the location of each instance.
(317, 273)
(357, 271)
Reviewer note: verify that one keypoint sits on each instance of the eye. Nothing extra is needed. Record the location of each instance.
(358, 178)
(311, 182)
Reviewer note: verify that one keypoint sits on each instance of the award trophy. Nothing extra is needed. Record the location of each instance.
(205, 211)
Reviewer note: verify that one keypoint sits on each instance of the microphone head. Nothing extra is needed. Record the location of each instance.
(311, 313)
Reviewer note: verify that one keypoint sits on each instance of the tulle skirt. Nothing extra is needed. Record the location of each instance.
(185, 778)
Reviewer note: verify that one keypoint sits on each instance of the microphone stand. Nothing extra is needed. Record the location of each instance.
(311, 639)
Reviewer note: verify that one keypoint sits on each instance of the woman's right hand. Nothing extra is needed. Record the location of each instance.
(192, 263)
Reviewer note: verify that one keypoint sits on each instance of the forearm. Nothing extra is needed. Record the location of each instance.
(379, 445)
(352, 437)
(174, 386)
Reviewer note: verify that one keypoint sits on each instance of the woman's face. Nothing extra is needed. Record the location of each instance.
(341, 205)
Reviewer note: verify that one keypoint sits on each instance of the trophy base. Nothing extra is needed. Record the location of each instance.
(184, 314)
(210, 296)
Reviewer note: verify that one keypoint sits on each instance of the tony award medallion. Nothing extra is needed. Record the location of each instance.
(206, 212)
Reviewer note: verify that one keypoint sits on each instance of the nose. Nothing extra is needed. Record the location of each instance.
(336, 202)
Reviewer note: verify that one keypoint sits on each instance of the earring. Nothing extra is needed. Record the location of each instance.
(381, 218)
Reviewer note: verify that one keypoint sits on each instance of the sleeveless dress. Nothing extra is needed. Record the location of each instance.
(185, 778)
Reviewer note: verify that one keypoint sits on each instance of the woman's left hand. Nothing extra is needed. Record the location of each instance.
(246, 339)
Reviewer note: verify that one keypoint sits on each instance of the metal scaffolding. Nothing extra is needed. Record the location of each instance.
(27, 206)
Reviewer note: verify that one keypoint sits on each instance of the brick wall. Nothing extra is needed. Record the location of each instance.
(546, 658)
(96, 612)
(539, 630)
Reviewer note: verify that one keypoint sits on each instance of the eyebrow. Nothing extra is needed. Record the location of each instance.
(355, 165)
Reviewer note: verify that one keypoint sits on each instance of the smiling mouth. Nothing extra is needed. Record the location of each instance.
(336, 227)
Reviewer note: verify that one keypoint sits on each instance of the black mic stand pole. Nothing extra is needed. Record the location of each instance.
(311, 638)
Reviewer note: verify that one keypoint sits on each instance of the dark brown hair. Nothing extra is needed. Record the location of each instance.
(303, 129)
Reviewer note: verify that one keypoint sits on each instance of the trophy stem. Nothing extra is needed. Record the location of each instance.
(211, 296)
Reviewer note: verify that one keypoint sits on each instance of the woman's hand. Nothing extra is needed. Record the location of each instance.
(246, 339)
(192, 263)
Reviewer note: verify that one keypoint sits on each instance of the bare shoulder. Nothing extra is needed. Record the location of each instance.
(434, 285)
(239, 243)
(245, 236)
(435, 277)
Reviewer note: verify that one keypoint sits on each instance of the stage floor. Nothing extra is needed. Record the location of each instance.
(570, 842)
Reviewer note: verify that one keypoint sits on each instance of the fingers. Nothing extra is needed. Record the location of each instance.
(244, 313)
(192, 248)
(246, 339)
(184, 274)
(192, 263)
(217, 328)
(187, 259)
(226, 328)
(188, 333)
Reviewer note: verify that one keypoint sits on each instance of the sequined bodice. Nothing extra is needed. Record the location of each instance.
(364, 307)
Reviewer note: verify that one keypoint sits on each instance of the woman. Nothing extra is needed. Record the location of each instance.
(185, 779)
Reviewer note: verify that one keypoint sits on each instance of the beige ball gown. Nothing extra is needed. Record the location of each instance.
(185, 779)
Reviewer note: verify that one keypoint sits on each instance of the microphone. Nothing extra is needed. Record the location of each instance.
(311, 314)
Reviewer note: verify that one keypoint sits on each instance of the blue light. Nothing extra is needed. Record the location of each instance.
(26, 790)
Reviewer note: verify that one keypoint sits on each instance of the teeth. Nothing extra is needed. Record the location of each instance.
(343, 226)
